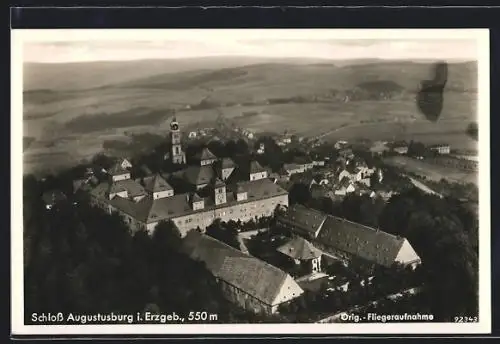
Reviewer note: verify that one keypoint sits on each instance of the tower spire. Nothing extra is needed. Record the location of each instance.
(178, 155)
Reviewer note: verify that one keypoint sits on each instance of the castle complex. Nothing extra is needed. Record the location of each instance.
(144, 202)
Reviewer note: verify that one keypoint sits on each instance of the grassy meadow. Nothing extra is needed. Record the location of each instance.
(431, 171)
(67, 121)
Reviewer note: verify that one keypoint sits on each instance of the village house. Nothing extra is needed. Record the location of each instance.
(379, 148)
(385, 195)
(261, 149)
(292, 168)
(363, 189)
(346, 239)
(124, 163)
(318, 180)
(144, 202)
(346, 154)
(399, 147)
(340, 144)
(244, 280)
(401, 150)
(345, 187)
(302, 163)
(441, 148)
(344, 173)
(318, 191)
(303, 254)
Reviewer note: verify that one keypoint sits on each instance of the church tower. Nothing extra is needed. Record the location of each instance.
(177, 154)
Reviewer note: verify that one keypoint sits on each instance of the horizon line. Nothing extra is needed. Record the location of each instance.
(416, 60)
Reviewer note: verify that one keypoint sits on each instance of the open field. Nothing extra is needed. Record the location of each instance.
(433, 172)
(90, 112)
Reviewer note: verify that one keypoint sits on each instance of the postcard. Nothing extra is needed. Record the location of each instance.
(250, 181)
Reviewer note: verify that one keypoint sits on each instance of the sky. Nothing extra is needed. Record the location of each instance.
(62, 46)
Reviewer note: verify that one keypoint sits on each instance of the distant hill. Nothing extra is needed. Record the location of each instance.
(276, 80)
(256, 84)
(84, 75)
(382, 86)
(163, 73)
(92, 103)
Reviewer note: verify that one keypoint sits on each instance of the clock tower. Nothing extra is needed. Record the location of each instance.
(219, 192)
(178, 156)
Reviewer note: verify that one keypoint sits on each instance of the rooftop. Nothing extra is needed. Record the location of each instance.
(153, 210)
(117, 170)
(205, 154)
(307, 219)
(249, 274)
(361, 241)
(199, 175)
(156, 183)
(227, 163)
(300, 248)
(255, 167)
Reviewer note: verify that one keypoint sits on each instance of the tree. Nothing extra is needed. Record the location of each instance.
(417, 149)
(299, 193)
(241, 147)
(225, 232)
(166, 234)
(449, 261)
(102, 160)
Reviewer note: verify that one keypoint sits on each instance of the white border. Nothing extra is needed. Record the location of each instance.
(17, 303)
(65, 35)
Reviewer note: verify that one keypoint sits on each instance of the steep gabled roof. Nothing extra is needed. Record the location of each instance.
(196, 198)
(300, 248)
(208, 250)
(205, 154)
(218, 183)
(117, 170)
(257, 278)
(156, 183)
(227, 163)
(240, 188)
(306, 219)
(255, 167)
(345, 182)
(199, 175)
(116, 187)
(364, 242)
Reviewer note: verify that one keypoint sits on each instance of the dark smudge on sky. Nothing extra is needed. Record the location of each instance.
(472, 131)
(430, 95)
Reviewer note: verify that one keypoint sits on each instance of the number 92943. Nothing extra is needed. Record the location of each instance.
(465, 319)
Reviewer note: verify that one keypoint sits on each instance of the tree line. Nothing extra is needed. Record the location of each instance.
(78, 258)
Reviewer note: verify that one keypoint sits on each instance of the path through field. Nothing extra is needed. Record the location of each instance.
(424, 187)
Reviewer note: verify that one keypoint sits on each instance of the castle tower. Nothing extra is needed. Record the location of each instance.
(178, 156)
(219, 192)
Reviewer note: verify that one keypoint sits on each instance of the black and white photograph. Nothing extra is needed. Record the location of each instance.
(250, 181)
